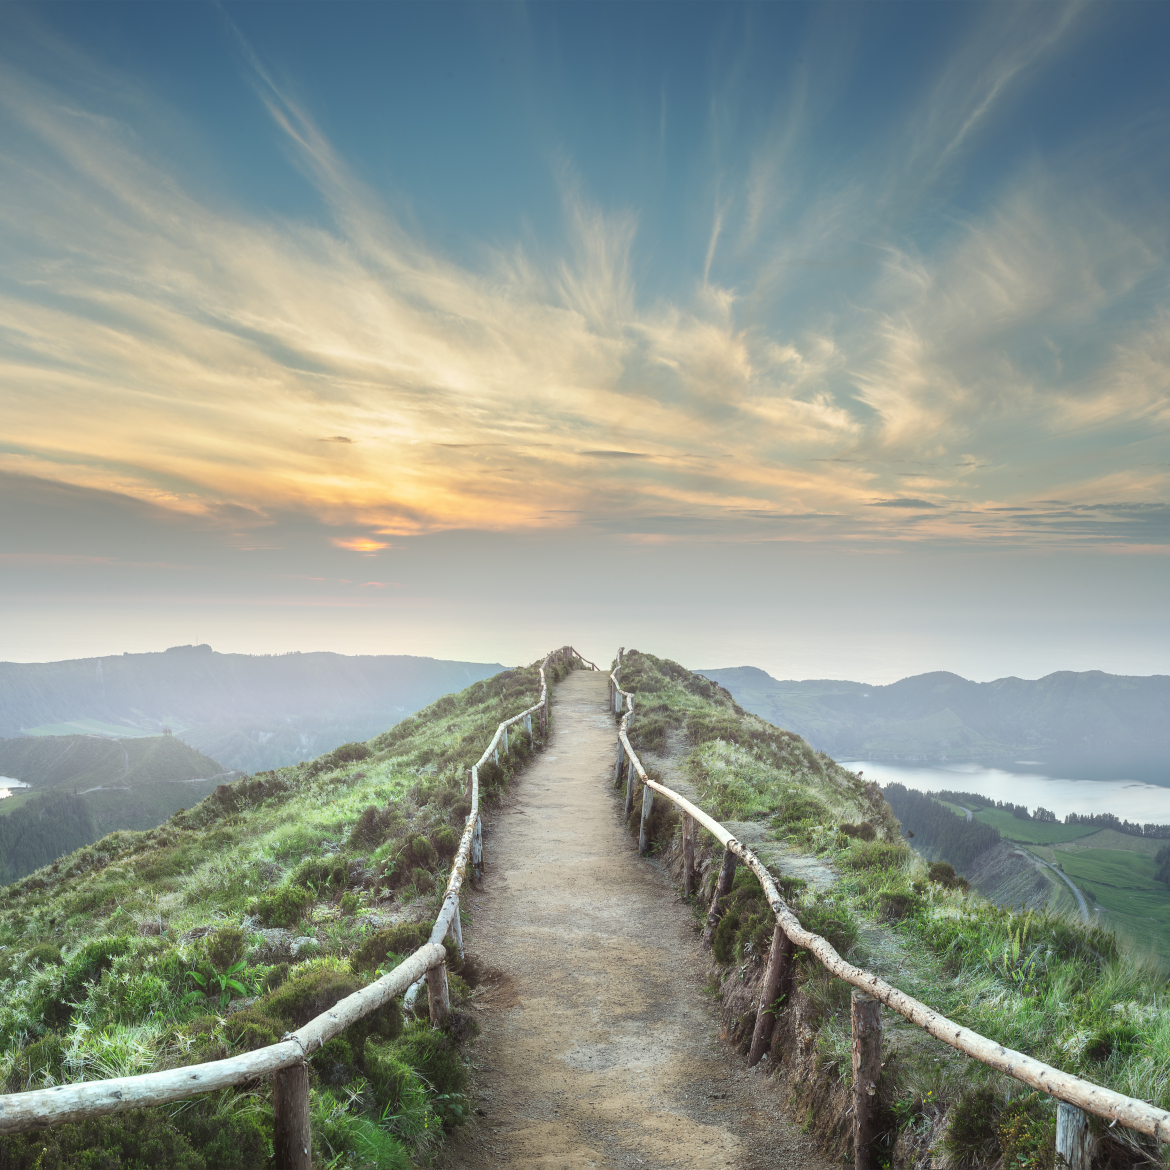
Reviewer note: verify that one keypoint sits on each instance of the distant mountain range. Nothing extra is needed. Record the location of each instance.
(249, 712)
(1087, 718)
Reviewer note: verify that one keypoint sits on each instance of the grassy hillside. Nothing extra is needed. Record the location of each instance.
(313, 876)
(250, 712)
(83, 787)
(1078, 718)
(1042, 983)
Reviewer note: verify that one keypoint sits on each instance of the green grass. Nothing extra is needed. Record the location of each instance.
(328, 834)
(1031, 832)
(1081, 997)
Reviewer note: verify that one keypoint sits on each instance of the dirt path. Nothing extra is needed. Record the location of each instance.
(599, 1045)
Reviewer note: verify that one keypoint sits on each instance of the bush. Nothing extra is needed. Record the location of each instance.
(226, 947)
(375, 825)
(433, 1054)
(1027, 1133)
(317, 986)
(944, 874)
(44, 955)
(85, 966)
(875, 855)
(898, 904)
(424, 853)
(446, 842)
(125, 1141)
(833, 923)
(227, 1130)
(251, 1028)
(37, 1063)
(862, 832)
(972, 1134)
(350, 903)
(284, 906)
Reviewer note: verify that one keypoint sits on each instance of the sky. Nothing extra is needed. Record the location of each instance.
(830, 339)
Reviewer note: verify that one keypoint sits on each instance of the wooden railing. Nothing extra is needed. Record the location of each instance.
(1076, 1096)
(285, 1062)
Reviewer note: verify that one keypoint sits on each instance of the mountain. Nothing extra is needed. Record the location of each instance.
(250, 712)
(84, 786)
(1086, 718)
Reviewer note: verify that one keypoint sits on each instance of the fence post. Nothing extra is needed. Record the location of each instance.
(505, 741)
(438, 996)
(647, 805)
(528, 723)
(457, 931)
(617, 767)
(544, 717)
(867, 1069)
(776, 981)
(688, 831)
(630, 774)
(293, 1141)
(722, 887)
(1074, 1138)
(477, 849)
(470, 781)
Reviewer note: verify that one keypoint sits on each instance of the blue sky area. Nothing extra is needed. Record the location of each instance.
(844, 330)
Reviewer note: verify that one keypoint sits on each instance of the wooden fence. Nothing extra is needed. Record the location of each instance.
(285, 1062)
(1076, 1096)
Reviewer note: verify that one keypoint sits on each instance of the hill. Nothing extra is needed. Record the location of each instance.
(82, 787)
(250, 712)
(1084, 719)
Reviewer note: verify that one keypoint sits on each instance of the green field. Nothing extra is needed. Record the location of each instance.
(1031, 832)
(1122, 881)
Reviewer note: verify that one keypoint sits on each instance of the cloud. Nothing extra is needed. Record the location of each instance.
(363, 544)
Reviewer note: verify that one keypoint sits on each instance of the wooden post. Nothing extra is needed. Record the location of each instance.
(647, 805)
(617, 767)
(722, 887)
(457, 931)
(528, 723)
(1074, 1138)
(688, 855)
(505, 741)
(293, 1142)
(544, 718)
(777, 979)
(867, 1070)
(470, 781)
(477, 848)
(631, 779)
(438, 996)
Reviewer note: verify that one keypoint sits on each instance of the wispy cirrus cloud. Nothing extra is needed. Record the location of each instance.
(157, 343)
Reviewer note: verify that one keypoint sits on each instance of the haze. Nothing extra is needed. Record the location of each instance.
(834, 339)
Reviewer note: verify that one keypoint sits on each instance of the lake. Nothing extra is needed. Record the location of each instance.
(1131, 800)
(8, 785)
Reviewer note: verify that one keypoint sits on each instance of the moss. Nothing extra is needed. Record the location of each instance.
(284, 906)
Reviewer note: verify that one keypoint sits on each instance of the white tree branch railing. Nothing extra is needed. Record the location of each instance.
(285, 1061)
(1070, 1090)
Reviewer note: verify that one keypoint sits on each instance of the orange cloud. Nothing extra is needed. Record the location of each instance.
(362, 544)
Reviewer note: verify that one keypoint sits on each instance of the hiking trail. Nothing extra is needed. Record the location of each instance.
(599, 1044)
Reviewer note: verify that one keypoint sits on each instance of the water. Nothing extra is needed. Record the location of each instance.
(1131, 800)
(8, 785)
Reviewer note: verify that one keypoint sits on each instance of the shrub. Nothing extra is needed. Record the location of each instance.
(44, 955)
(1027, 1133)
(251, 1028)
(862, 832)
(972, 1134)
(898, 904)
(446, 842)
(138, 1138)
(85, 966)
(284, 906)
(312, 874)
(423, 852)
(227, 1129)
(875, 855)
(226, 947)
(403, 939)
(833, 923)
(350, 903)
(944, 874)
(317, 986)
(433, 1054)
(37, 1063)
(334, 1061)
